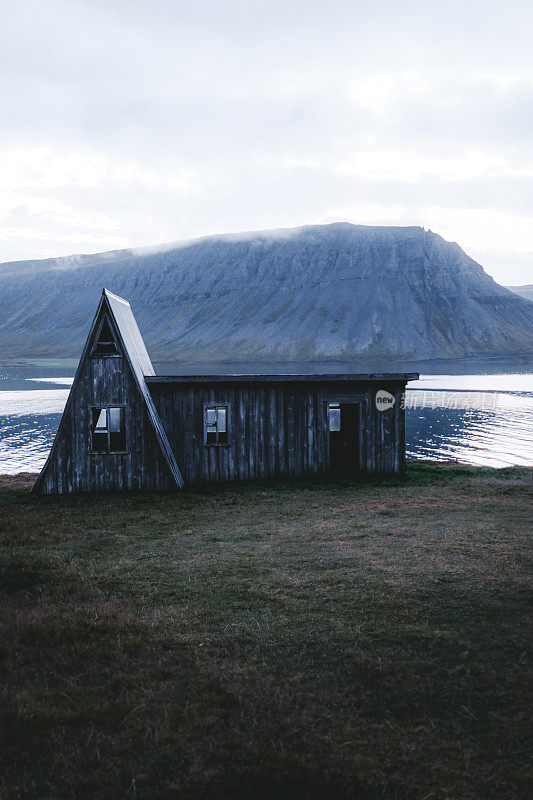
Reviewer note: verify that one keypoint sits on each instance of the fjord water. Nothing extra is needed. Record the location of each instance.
(482, 419)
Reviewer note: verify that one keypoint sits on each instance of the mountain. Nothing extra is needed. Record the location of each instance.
(341, 291)
(523, 291)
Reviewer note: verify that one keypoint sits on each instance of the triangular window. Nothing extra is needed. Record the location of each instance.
(101, 421)
(105, 344)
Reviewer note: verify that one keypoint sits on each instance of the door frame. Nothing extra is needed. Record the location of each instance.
(359, 449)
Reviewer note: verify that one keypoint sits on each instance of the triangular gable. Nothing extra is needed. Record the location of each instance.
(116, 313)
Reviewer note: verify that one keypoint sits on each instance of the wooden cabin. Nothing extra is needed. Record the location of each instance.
(125, 428)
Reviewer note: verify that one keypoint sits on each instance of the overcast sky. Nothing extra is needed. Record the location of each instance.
(134, 122)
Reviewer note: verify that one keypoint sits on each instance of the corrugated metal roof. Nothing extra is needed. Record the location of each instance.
(141, 365)
(130, 333)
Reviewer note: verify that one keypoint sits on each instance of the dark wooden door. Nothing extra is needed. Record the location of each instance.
(344, 444)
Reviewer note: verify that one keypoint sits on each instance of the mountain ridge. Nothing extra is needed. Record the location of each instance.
(524, 290)
(76, 260)
(313, 293)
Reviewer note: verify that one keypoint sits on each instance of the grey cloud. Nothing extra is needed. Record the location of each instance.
(255, 99)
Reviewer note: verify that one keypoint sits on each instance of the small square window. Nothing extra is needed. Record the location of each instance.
(109, 429)
(334, 417)
(216, 425)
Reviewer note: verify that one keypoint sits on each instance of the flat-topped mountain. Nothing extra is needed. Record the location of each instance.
(340, 292)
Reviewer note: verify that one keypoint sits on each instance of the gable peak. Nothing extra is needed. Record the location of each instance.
(111, 296)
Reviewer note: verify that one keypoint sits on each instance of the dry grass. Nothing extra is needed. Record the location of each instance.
(285, 641)
(22, 480)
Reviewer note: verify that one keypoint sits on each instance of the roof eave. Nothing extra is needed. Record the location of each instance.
(371, 377)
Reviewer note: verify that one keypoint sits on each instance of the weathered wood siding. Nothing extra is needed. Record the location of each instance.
(73, 467)
(276, 430)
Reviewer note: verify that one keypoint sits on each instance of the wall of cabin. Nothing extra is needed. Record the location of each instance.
(277, 429)
(73, 467)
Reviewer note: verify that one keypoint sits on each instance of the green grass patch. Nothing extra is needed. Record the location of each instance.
(284, 641)
(45, 363)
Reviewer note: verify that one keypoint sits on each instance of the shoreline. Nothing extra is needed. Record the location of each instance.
(23, 480)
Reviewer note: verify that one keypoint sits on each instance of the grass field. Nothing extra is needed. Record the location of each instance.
(285, 641)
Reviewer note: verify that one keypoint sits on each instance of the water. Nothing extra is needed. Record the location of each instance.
(483, 419)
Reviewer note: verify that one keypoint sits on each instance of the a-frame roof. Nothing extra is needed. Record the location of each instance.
(137, 354)
(121, 317)
(130, 334)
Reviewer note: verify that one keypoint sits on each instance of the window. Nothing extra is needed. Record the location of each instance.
(216, 425)
(334, 417)
(109, 430)
(105, 345)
